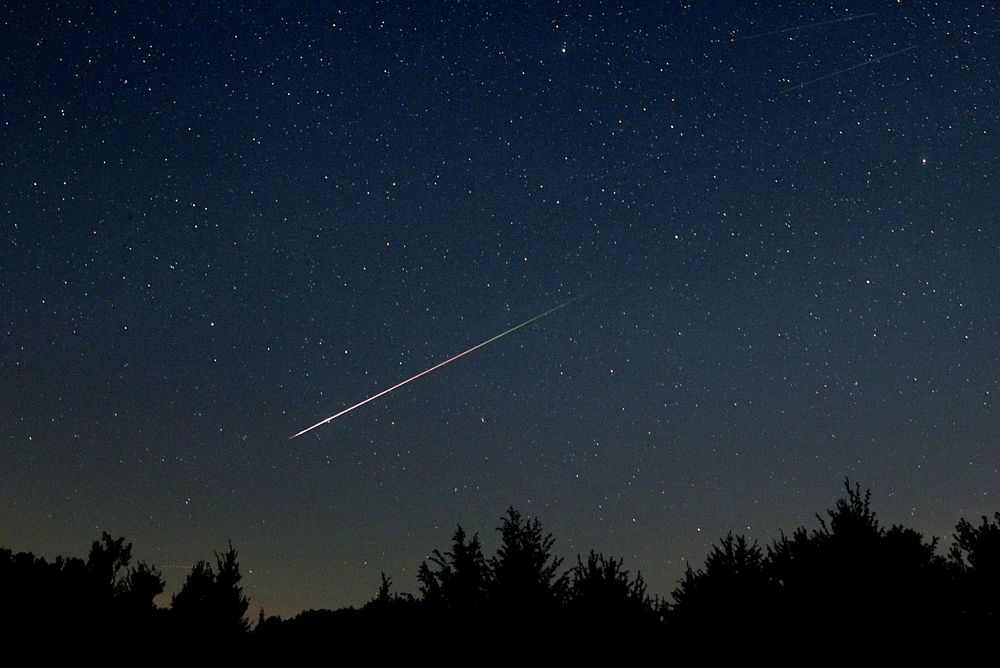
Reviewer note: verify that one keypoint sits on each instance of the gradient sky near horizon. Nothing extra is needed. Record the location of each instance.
(223, 222)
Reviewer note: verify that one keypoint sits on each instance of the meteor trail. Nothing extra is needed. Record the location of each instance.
(804, 27)
(436, 366)
(848, 69)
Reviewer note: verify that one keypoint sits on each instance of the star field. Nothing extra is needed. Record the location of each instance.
(223, 223)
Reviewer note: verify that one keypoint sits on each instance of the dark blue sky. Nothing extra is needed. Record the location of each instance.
(223, 222)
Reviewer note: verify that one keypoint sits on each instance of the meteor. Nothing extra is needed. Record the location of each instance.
(436, 367)
(848, 69)
(804, 27)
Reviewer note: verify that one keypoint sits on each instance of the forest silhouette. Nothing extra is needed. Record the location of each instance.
(850, 585)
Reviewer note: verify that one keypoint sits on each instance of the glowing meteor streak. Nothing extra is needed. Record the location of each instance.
(435, 367)
(848, 69)
(804, 27)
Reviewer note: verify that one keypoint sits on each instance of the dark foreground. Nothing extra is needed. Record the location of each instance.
(849, 587)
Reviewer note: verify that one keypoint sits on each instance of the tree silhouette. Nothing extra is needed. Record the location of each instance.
(143, 584)
(730, 596)
(461, 577)
(194, 602)
(385, 600)
(231, 603)
(118, 593)
(58, 597)
(852, 568)
(979, 547)
(975, 558)
(603, 581)
(73, 599)
(108, 565)
(842, 586)
(852, 519)
(210, 603)
(384, 595)
(524, 570)
(603, 595)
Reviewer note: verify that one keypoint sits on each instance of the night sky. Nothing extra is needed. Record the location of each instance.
(223, 222)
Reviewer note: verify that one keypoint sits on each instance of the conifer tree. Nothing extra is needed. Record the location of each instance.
(524, 570)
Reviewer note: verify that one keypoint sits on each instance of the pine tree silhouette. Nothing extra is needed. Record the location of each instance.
(524, 570)
(460, 578)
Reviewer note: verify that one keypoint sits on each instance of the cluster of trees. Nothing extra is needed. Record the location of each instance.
(521, 587)
(850, 576)
(76, 594)
(76, 599)
(523, 580)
